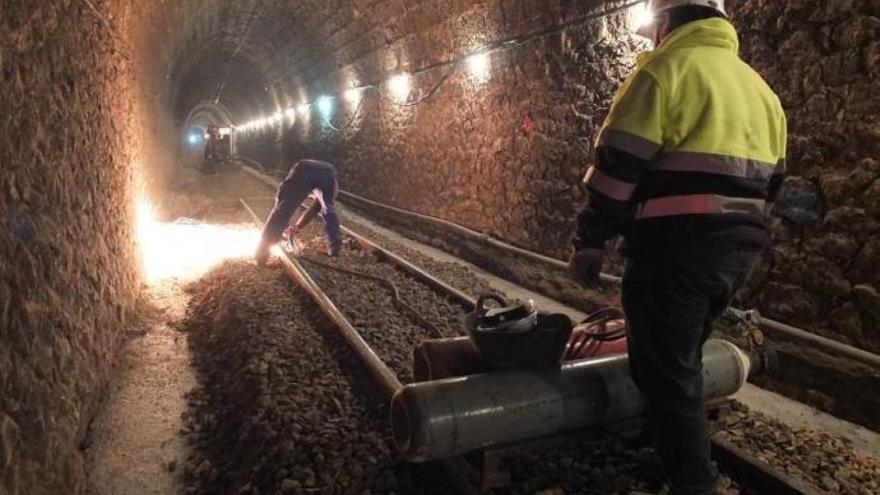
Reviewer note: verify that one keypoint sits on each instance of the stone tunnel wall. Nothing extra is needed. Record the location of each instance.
(823, 58)
(68, 275)
(503, 155)
(467, 154)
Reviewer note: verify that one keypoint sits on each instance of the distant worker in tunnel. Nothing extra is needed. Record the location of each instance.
(688, 163)
(306, 178)
(211, 143)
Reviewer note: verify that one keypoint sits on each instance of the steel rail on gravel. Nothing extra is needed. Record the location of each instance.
(383, 375)
(765, 477)
(398, 300)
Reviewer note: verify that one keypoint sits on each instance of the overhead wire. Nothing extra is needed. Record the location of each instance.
(501, 45)
(351, 119)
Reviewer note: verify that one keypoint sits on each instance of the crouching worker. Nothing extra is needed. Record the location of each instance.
(306, 178)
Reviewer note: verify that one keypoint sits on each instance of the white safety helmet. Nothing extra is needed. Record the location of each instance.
(648, 26)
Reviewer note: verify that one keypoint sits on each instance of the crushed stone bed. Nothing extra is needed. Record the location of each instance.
(285, 408)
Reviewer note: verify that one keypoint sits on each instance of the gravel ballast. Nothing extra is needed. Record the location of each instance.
(285, 408)
(281, 406)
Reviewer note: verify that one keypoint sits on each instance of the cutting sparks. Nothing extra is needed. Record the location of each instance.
(186, 248)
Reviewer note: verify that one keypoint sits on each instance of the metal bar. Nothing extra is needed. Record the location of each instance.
(383, 375)
(766, 478)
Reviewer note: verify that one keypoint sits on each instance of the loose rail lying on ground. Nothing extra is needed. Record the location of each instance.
(763, 476)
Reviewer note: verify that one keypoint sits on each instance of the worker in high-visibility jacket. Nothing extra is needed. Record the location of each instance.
(688, 163)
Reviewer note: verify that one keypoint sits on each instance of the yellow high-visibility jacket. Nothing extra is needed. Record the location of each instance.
(692, 151)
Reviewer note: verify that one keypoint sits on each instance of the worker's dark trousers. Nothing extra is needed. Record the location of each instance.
(293, 191)
(671, 302)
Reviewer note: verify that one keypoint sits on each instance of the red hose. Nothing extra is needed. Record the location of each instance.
(601, 333)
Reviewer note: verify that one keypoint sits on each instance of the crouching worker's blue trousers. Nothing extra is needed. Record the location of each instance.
(306, 178)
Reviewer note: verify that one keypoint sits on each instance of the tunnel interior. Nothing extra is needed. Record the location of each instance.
(483, 114)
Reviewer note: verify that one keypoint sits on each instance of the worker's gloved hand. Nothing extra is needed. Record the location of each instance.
(585, 265)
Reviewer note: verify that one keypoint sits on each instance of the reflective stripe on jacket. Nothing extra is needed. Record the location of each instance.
(702, 132)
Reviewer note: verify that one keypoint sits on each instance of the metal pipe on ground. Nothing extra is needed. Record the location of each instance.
(442, 418)
(385, 378)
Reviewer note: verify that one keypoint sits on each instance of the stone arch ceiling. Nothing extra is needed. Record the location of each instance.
(261, 52)
(269, 54)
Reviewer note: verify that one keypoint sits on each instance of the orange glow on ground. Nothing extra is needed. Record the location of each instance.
(187, 249)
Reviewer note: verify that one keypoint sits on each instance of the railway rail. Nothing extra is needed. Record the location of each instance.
(477, 472)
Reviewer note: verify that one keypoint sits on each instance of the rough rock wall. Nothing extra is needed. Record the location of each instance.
(67, 268)
(464, 155)
(823, 58)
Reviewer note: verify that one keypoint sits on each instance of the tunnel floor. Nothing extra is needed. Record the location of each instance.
(135, 443)
(237, 384)
(135, 446)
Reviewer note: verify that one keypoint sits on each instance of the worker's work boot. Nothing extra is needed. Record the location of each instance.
(262, 254)
(333, 250)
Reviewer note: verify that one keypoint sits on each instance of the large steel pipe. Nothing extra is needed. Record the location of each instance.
(443, 418)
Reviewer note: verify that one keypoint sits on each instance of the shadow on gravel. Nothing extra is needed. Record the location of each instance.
(279, 406)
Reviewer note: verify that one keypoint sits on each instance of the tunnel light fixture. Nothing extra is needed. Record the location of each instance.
(303, 109)
(277, 118)
(479, 66)
(640, 16)
(400, 86)
(325, 105)
(291, 114)
(354, 95)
